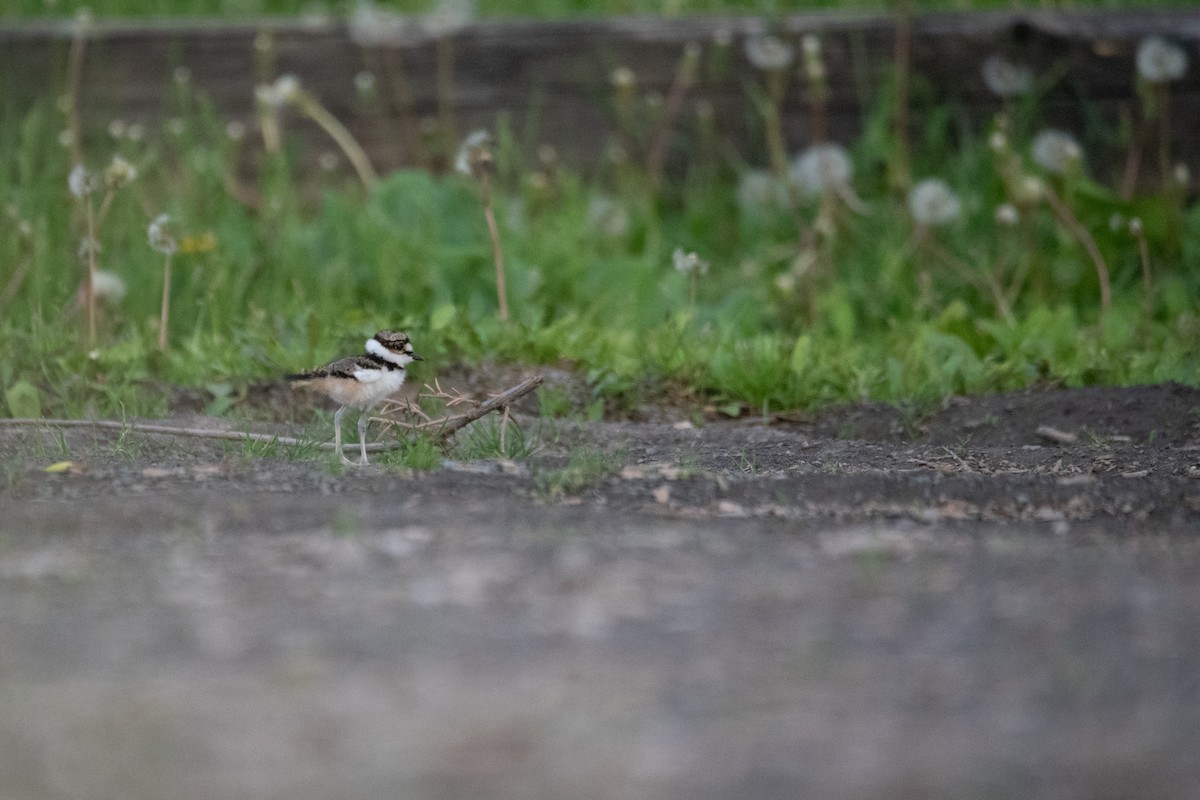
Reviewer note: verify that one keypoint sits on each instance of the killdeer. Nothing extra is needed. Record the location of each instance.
(361, 382)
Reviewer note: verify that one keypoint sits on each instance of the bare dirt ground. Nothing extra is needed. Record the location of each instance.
(863, 602)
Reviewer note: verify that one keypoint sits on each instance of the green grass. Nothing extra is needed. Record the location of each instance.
(585, 468)
(855, 306)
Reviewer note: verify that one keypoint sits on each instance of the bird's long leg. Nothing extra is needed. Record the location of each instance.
(337, 434)
(362, 436)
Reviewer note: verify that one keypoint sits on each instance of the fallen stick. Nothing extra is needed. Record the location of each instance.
(1055, 435)
(449, 425)
(500, 402)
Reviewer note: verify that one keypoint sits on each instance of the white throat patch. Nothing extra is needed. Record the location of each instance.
(399, 359)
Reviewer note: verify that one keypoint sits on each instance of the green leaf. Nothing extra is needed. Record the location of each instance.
(802, 355)
(23, 400)
(442, 316)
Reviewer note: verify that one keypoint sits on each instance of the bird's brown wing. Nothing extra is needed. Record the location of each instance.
(342, 368)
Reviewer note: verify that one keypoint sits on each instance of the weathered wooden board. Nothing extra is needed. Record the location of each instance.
(552, 79)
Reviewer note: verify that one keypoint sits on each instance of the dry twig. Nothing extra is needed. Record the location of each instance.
(446, 426)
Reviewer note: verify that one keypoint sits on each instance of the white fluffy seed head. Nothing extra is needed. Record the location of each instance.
(759, 190)
(160, 236)
(932, 202)
(688, 263)
(372, 26)
(81, 182)
(475, 155)
(1057, 152)
(1007, 215)
(769, 53)
(119, 173)
(821, 168)
(1005, 78)
(1160, 61)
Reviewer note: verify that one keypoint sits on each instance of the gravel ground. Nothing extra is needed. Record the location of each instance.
(864, 602)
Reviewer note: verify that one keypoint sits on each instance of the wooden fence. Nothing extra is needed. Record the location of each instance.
(552, 81)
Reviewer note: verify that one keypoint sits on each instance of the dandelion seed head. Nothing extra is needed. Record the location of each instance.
(475, 154)
(1160, 61)
(622, 78)
(1182, 175)
(235, 130)
(769, 53)
(759, 190)
(117, 129)
(119, 173)
(364, 83)
(84, 21)
(1031, 190)
(1007, 215)
(176, 126)
(66, 138)
(81, 182)
(932, 202)
(998, 141)
(1116, 222)
(1005, 78)
(688, 263)
(372, 26)
(1055, 151)
(136, 132)
(275, 95)
(1135, 227)
(160, 234)
(108, 287)
(328, 161)
(810, 45)
(182, 75)
(287, 87)
(608, 217)
(448, 17)
(821, 168)
(88, 246)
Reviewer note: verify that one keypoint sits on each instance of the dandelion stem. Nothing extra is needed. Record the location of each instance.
(91, 271)
(14, 284)
(445, 87)
(166, 304)
(1068, 218)
(340, 134)
(685, 76)
(1133, 162)
(497, 252)
(901, 64)
(776, 147)
(393, 63)
(1144, 255)
(105, 204)
(1164, 132)
(74, 82)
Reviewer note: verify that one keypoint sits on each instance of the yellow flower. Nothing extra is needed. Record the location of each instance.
(202, 243)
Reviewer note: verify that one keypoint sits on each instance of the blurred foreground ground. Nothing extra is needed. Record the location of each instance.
(858, 604)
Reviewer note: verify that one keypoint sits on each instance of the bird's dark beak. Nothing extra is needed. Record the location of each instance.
(416, 357)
